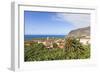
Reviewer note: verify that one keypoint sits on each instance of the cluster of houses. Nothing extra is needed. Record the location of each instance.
(48, 43)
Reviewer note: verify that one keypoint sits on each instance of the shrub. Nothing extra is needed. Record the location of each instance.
(55, 45)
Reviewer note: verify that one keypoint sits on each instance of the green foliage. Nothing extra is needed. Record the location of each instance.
(73, 50)
(55, 45)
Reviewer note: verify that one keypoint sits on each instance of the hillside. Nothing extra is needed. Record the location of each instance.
(79, 32)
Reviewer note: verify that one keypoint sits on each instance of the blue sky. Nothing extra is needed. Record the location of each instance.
(52, 23)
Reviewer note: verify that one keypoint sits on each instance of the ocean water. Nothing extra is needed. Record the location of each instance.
(30, 37)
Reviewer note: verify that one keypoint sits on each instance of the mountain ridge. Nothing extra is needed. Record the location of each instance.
(80, 32)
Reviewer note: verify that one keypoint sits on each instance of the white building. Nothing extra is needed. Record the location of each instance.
(85, 40)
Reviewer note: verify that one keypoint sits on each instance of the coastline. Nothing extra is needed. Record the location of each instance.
(30, 37)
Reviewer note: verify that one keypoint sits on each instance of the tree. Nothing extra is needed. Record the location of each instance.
(55, 45)
(74, 49)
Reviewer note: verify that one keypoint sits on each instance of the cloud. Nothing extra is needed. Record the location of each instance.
(77, 20)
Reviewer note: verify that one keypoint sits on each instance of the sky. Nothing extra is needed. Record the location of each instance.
(53, 23)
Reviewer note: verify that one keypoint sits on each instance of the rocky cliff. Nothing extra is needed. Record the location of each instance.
(81, 32)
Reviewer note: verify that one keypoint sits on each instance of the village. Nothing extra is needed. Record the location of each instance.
(48, 42)
(60, 42)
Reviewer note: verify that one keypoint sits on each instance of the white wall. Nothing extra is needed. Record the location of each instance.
(5, 31)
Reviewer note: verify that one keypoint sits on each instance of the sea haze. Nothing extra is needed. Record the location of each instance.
(30, 37)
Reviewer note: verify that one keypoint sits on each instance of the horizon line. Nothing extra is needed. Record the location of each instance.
(45, 34)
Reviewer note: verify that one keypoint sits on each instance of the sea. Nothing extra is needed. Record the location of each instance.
(30, 37)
